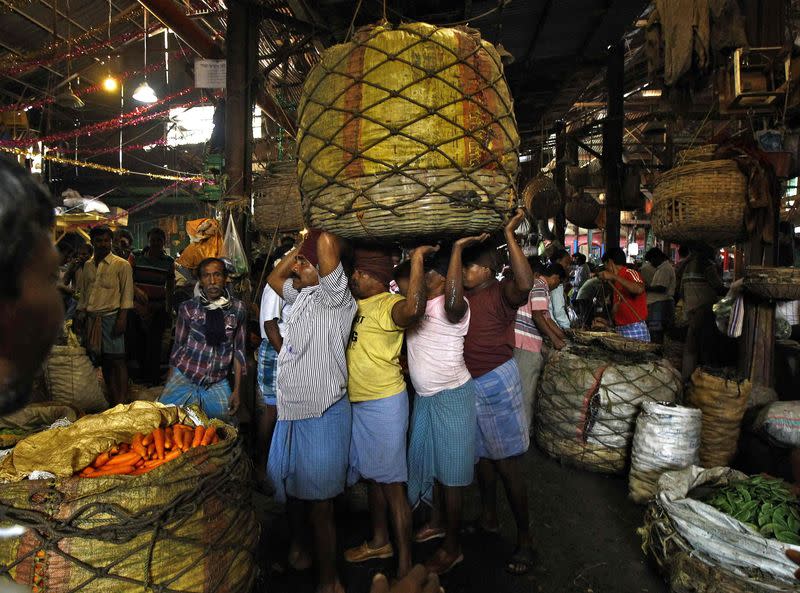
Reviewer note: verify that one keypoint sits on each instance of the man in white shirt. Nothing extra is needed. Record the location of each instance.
(558, 299)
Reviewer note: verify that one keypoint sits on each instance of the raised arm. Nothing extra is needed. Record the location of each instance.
(517, 292)
(282, 272)
(631, 286)
(411, 309)
(455, 305)
(329, 252)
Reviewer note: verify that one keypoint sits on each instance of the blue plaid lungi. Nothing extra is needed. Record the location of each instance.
(502, 428)
(635, 331)
(308, 458)
(212, 399)
(267, 373)
(442, 446)
(378, 442)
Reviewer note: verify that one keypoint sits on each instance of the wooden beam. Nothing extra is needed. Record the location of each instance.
(560, 179)
(612, 141)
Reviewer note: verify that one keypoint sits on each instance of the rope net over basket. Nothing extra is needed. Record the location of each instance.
(407, 131)
(588, 400)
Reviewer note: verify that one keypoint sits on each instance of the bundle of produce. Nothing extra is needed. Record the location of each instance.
(700, 548)
(667, 437)
(182, 521)
(71, 380)
(407, 131)
(30, 419)
(723, 400)
(588, 401)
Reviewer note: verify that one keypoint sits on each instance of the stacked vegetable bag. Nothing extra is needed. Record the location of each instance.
(407, 131)
(589, 398)
(699, 547)
(182, 521)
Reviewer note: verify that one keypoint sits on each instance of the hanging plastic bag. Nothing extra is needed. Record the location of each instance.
(233, 250)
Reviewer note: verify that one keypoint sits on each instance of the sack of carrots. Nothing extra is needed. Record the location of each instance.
(167, 506)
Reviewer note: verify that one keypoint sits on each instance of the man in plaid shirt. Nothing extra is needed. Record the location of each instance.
(209, 337)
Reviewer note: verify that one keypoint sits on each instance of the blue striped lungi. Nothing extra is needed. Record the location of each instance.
(212, 399)
(267, 373)
(308, 458)
(442, 446)
(634, 331)
(378, 442)
(502, 430)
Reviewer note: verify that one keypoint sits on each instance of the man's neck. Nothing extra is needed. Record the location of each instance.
(485, 284)
(97, 260)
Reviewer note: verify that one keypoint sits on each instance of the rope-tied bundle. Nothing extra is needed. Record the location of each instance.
(188, 526)
(407, 131)
(588, 400)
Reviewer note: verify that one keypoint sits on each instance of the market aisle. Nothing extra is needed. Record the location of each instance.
(585, 528)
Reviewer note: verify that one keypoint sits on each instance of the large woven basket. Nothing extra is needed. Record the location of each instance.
(700, 202)
(698, 154)
(276, 199)
(542, 198)
(407, 131)
(779, 284)
(688, 572)
(583, 211)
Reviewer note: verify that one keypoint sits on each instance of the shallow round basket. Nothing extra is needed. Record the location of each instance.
(687, 571)
(542, 198)
(586, 337)
(618, 343)
(778, 284)
(700, 202)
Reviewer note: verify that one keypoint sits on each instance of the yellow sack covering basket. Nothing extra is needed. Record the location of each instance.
(407, 131)
(186, 526)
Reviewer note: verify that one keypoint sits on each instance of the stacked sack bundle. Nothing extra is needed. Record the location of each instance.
(407, 131)
(589, 398)
(183, 522)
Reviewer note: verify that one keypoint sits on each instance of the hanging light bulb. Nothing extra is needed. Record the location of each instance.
(144, 93)
(110, 84)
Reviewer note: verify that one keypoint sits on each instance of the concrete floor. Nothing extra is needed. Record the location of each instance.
(584, 525)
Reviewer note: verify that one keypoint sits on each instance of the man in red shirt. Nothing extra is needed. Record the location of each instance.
(630, 300)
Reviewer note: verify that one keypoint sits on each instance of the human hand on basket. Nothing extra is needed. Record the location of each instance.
(424, 251)
(514, 221)
(464, 242)
(419, 580)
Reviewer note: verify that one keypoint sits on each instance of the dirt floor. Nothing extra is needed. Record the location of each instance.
(584, 524)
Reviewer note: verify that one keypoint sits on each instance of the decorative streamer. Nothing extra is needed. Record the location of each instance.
(90, 152)
(147, 202)
(97, 167)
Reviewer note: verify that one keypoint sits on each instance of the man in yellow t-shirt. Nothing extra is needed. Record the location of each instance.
(379, 400)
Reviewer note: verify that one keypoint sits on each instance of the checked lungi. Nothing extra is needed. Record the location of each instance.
(213, 399)
(378, 442)
(502, 427)
(634, 331)
(442, 446)
(308, 458)
(267, 373)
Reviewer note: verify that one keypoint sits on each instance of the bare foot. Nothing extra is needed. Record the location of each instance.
(443, 561)
(331, 588)
(299, 558)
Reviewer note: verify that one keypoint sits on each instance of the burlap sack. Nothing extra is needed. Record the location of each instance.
(71, 379)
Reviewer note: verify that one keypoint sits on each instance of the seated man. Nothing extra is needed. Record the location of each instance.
(209, 339)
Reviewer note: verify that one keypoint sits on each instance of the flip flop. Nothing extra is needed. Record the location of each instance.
(363, 553)
(429, 533)
(444, 570)
(521, 562)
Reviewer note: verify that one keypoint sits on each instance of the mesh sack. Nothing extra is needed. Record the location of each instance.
(588, 400)
(407, 131)
(188, 526)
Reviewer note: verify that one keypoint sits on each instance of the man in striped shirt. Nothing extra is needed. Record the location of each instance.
(310, 446)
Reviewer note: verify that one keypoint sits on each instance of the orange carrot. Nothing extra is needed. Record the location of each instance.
(87, 471)
(137, 445)
(113, 450)
(124, 448)
(211, 432)
(215, 439)
(124, 459)
(188, 437)
(199, 432)
(151, 451)
(114, 470)
(168, 441)
(158, 441)
(101, 459)
(139, 463)
(147, 439)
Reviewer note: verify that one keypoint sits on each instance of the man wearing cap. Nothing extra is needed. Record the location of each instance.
(379, 400)
(310, 446)
(441, 452)
(489, 353)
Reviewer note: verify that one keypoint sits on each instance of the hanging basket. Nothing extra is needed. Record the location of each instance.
(777, 284)
(632, 197)
(276, 199)
(701, 202)
(698, 154)
(542, 198)
(407, 131)
(584, 211)
(590, 175)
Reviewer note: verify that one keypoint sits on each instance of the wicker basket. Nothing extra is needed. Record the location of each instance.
(779, 284)
(276, 199)
(542, 198)
(700, 202)
(583, 211)
(688, 572)
(612, 341)
(698, 154)
(590, 175)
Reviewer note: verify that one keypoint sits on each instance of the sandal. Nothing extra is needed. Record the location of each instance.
(441, 568)
(521, 562)
(363, 553)
(428, 533)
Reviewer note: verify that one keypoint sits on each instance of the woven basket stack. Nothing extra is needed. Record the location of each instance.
(407, 131)
(276, 199)
(777, 284)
